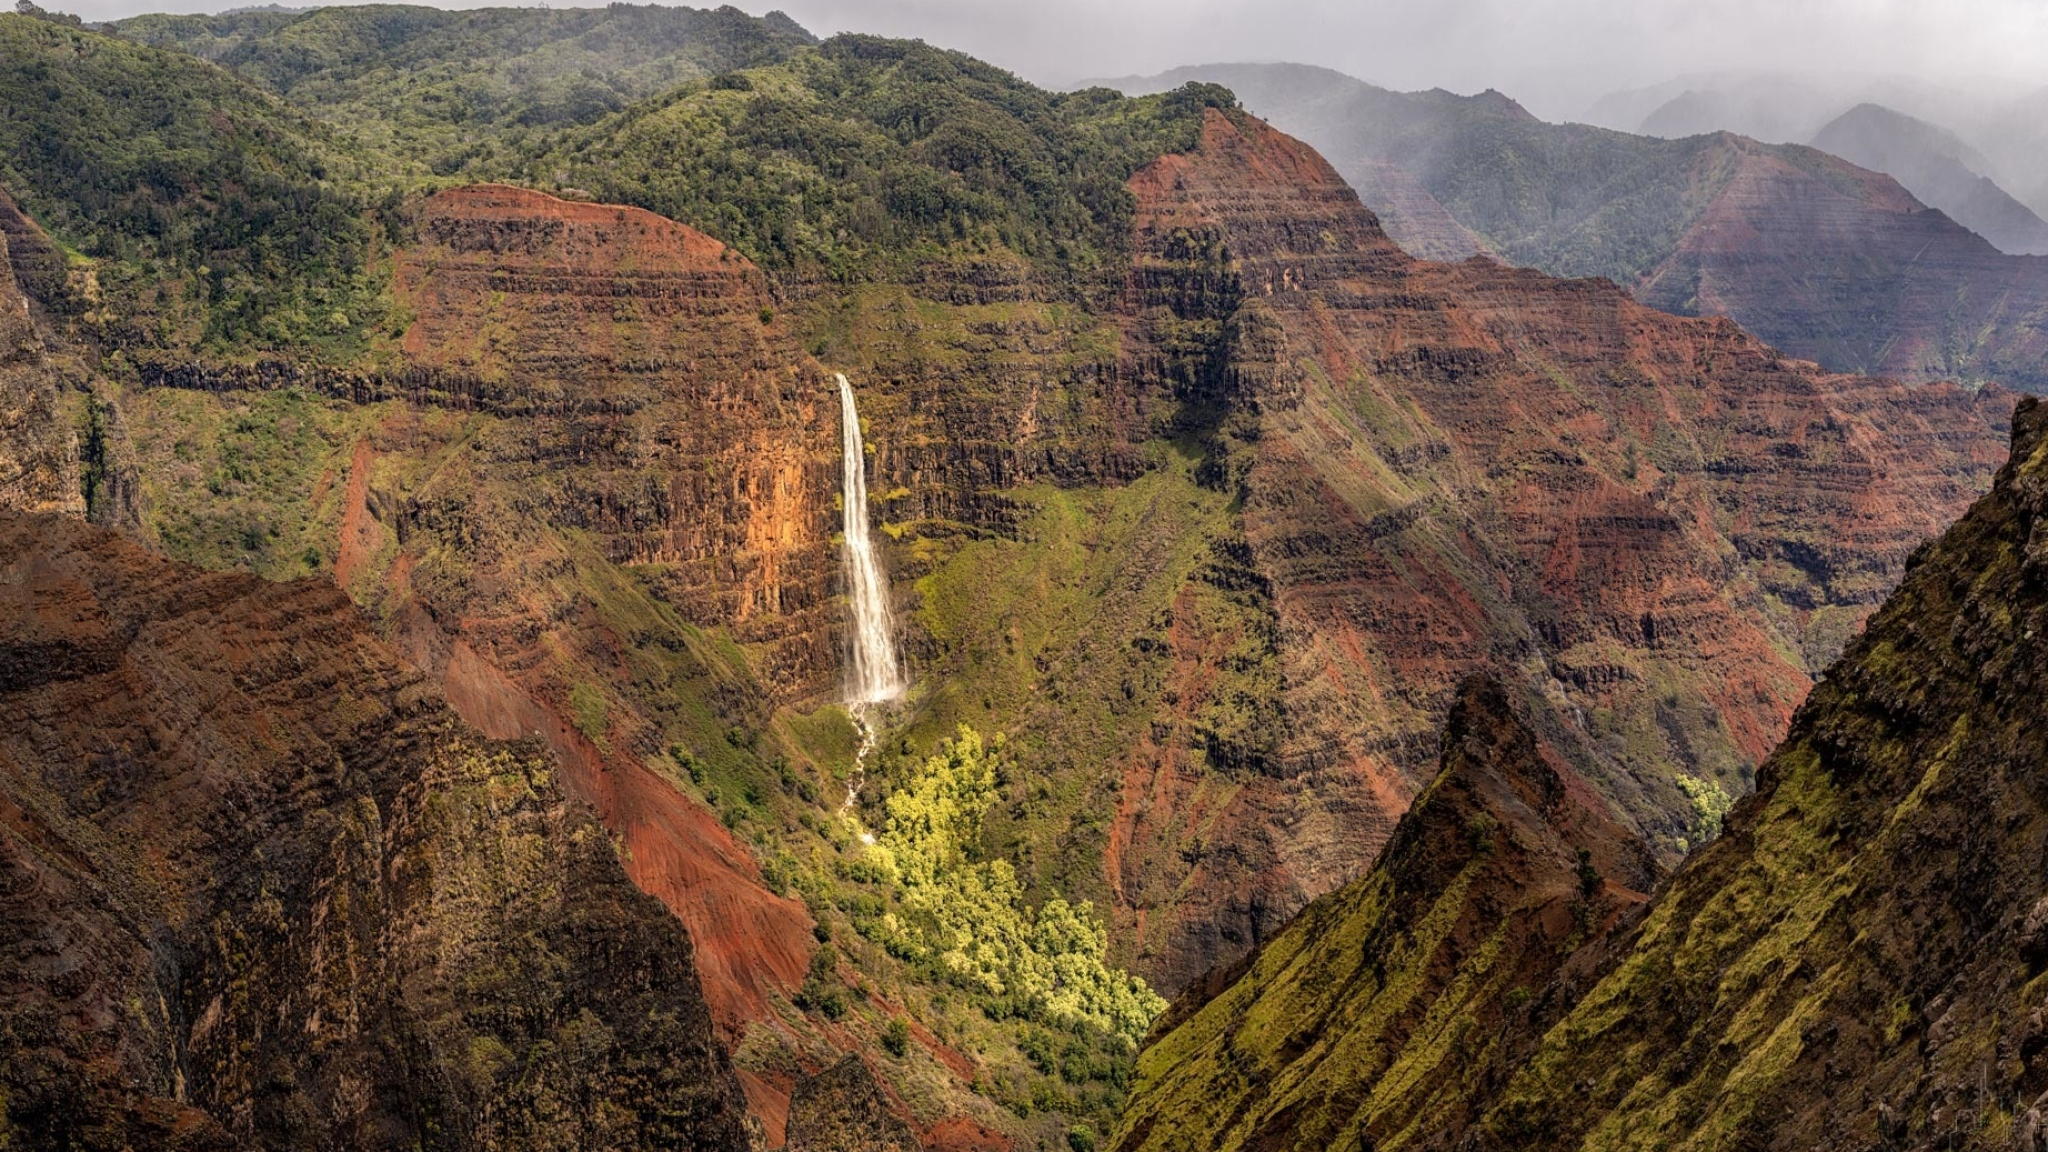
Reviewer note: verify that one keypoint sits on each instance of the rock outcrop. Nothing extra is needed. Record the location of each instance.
(843, 1109)
(262, 889)
(1381, 1003)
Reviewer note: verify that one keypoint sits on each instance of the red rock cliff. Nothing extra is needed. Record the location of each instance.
(261, 887)
(1663, 524)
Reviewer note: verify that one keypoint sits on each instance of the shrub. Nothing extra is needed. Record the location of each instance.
(590, 712)
(896, 1037)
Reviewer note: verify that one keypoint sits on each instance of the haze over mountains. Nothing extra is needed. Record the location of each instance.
(1996, 131)
(1939, 168)
(1822, 258)
(426, 717)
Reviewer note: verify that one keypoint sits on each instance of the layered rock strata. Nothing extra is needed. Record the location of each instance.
(262, 889)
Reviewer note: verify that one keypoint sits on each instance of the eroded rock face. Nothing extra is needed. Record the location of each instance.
(1382, 1003)
(661, 409)
(843, 1109)
(38, 454)
(1664, 525)
(262, 889)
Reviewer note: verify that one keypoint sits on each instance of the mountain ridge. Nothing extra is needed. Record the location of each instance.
(1503, 862)
(1706, 224)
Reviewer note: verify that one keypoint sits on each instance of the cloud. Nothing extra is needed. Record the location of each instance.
(1554, 55)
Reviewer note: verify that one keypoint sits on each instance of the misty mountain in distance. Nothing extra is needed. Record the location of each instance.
(2006, 125)
(1940, 168)
(1824, 259)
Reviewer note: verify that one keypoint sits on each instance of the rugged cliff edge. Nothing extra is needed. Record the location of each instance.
(1856, 963)
(1381, 1001)
(261, 889)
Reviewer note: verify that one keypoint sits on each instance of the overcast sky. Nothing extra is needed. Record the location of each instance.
(1555, 55)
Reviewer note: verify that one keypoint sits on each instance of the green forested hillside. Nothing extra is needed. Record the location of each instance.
(216, 214)
(867, 150)
(450, 89)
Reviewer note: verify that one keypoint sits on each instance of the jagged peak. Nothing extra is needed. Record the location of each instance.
(1496, 773)
(2029, 429)
(1379, 1004)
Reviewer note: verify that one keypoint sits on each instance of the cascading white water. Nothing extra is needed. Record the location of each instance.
(876, 676)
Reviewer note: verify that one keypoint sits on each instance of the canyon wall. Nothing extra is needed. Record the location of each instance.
(275, 895)
(1215, 548)
(1663, 525)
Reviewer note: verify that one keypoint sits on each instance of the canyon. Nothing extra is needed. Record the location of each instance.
(1211, 526)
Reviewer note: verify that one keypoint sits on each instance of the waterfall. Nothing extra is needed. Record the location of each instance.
(875, 676)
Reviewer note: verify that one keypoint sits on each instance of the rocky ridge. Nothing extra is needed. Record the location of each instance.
(843, 1109)
(275, 895)
(1373, 1008)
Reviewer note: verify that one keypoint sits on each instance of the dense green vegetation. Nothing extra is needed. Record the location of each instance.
(453, 90)
(868, 154)
(216, 215)
(224, 217)
(964, 913)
